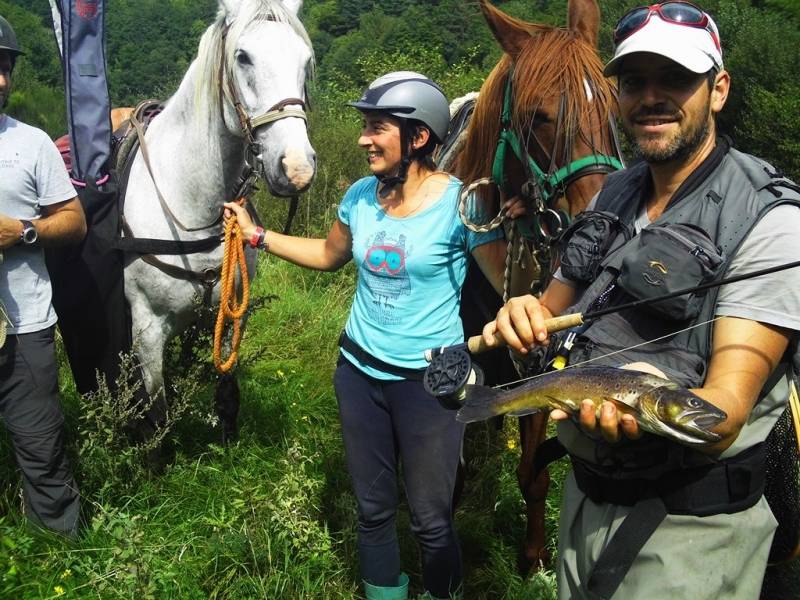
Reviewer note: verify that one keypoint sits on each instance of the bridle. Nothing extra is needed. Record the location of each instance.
(543, 223)
(245, 184)
(283, 109)
(542, 188)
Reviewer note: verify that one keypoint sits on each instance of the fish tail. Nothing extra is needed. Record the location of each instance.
(481, 403)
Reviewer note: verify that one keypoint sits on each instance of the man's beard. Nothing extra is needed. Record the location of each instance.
(678, 149)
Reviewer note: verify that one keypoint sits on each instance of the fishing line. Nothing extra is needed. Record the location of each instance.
(658, 339)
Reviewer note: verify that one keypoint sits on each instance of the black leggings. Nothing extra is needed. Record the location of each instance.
(381, 422)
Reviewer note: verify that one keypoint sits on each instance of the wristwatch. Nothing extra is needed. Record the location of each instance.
(29, 234)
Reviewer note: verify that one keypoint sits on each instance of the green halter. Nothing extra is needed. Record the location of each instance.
(547, 184)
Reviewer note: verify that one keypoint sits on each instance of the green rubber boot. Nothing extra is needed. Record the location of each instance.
(400, 592)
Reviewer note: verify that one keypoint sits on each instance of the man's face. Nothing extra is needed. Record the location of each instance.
(6, 64)
(667, 110)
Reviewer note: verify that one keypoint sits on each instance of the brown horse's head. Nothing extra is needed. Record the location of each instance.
(563, 106)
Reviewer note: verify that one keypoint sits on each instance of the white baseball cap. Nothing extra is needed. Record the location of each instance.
(693, 44)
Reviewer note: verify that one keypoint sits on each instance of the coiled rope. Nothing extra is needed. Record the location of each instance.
(230, 307)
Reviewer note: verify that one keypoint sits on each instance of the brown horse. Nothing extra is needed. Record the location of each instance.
(550, 87)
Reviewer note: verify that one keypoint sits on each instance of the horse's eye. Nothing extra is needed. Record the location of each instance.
(243, 58)
(540, 119)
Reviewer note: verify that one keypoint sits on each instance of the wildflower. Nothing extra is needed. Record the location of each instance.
(511, 444)
(60, 591)
(66, 573)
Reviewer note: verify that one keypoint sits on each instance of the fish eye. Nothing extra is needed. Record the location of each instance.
(694, 403)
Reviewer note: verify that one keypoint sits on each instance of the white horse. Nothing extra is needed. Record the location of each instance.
(256, 55)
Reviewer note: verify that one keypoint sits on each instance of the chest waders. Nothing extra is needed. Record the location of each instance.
(724, 198)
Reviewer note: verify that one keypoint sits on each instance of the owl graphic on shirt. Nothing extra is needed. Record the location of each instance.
(384, 270)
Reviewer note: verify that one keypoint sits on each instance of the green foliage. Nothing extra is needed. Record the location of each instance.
(272, 516)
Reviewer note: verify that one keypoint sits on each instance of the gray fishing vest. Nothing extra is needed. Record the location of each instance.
(726, 205)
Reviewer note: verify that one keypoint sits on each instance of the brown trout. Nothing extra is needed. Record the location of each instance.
(659, 405)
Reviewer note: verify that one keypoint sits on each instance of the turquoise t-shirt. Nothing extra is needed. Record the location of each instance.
(410, 273)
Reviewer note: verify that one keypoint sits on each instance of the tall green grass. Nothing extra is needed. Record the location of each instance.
(271, 516)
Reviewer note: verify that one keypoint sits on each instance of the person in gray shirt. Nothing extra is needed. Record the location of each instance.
(38, 209)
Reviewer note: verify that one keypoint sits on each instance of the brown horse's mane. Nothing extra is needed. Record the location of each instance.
(553, 61)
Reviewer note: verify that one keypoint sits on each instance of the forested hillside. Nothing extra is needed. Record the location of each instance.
(151, 42)
(272, 516)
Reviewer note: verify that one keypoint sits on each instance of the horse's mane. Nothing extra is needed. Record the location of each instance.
(209, 54)
(553, 60)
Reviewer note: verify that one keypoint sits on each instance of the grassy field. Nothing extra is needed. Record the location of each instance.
(271, 516)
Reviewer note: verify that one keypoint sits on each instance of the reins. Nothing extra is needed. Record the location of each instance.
(231, 308)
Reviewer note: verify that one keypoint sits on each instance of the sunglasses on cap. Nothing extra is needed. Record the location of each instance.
(676, 12)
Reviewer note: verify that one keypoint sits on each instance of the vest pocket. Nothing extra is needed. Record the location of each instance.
(584, 244)
(668, 258)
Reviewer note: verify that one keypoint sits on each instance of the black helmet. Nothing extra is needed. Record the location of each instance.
(8, 39)
(408, 95)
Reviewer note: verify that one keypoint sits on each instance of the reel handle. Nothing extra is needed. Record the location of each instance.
(476, 345)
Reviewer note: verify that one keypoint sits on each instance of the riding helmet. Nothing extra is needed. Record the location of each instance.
(8, 39)
(408, 95)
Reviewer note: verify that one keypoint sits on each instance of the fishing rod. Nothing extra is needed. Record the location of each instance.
(451, 366)
(476, 344)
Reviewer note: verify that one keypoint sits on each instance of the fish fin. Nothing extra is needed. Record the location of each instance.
(480, 403)
(622, 406)
(525, 411)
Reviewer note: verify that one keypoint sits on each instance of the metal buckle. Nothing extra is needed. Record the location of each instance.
(210, 276)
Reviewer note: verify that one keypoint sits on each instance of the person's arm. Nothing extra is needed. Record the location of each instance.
(61, 224)
(327, 254)
(744, 354)
(491, 258)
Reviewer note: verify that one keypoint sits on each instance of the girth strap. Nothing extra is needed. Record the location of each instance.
(155, 246)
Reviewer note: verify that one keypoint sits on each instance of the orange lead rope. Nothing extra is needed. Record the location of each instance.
(230, 307)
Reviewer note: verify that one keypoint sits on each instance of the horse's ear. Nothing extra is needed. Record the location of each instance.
(293, 6)
(509, 32)
(229, 8)
(584, 19)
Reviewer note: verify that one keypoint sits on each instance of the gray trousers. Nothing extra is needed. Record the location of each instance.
(719, 557)
(29, 405)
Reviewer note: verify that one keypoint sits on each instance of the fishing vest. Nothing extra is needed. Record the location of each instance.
(693, 242)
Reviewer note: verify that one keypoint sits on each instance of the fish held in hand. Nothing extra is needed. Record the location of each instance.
(659, 406)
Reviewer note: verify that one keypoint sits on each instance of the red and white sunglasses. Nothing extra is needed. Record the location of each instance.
(675, 11)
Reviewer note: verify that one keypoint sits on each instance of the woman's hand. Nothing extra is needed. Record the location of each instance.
(515, 207)
(521, 323)
(242, 216)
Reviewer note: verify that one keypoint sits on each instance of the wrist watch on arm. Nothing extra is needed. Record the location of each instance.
(29, 235)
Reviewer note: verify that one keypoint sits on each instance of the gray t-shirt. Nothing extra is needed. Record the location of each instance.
(32, 175)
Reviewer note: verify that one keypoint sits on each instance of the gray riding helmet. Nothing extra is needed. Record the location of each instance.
(408, 95)
(8, 39)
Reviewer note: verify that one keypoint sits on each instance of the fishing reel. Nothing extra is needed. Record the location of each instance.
(448, 374)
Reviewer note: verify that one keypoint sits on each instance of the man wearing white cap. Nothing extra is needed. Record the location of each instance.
(644, 516)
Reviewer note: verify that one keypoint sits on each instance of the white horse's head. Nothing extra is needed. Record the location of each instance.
(263, 59)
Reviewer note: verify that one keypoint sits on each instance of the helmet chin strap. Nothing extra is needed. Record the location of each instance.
(389, 182)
